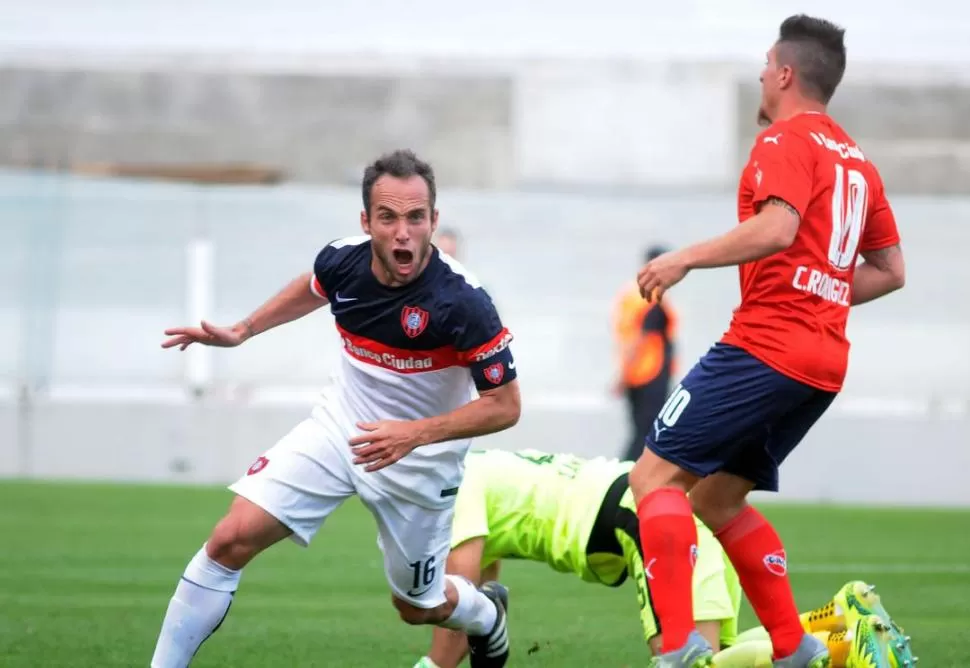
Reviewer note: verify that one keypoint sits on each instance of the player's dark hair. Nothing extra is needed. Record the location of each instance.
(400, 164)
(815, 49)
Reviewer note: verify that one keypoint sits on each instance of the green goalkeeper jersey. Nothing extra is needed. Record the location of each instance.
(533, 505)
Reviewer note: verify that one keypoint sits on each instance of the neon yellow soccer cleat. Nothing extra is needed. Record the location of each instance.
(870, 644)
(839, 644)
(824, 620)
(859, 599)
(829, 618)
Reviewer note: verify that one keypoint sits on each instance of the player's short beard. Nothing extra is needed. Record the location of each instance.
(421, 254)
(386, 258)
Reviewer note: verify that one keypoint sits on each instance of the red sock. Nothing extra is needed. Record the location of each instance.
(668, 536)
(759, 558)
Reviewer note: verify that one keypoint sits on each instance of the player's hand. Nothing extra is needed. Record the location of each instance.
(660, 274)
(383, 443)
(206, 334)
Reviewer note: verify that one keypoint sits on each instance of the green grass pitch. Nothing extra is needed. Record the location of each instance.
(86, 572)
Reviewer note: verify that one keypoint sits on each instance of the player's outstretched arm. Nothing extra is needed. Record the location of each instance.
(294, 301)
(881, 272)
(770, 231)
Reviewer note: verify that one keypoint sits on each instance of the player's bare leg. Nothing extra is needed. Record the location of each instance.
(756, 550)
(449, 647)
(472, 619)
(668, 536)
(479, 613)
(204, 594)
(719, 498)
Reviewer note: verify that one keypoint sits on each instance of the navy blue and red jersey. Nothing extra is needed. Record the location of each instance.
(424, 337)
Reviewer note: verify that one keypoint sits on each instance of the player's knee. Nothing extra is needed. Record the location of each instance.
(411, 614)
(241, 535)
(713, 510)
(227, 544)
(704, 512)
(640, 479)
(651, 473)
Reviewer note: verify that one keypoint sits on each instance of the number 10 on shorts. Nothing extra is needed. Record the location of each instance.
(674, 406)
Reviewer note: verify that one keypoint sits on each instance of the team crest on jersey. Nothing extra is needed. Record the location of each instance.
(414, 320)
(495, 373)
(257, 466)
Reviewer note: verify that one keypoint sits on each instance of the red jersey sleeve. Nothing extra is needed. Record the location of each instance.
(880, 231)
(784, 164)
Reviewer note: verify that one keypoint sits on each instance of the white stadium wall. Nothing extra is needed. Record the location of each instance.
(851, 457)
(651, 102)
(84, 298)
(509, 94)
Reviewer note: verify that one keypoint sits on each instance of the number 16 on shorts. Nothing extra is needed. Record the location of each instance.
(424, 572)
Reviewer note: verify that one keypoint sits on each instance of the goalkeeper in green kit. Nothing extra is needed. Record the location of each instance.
(578, 516)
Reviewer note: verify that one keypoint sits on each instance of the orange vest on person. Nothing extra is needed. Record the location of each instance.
(644, 355)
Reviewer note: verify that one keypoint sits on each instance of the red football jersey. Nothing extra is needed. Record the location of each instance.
(795, 304)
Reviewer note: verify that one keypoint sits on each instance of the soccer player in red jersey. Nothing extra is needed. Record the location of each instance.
(810, 202)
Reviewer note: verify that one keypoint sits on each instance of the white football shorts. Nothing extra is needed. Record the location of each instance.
(309, 472)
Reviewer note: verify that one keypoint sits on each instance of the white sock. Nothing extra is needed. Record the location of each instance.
(475, 613)
(200, 603)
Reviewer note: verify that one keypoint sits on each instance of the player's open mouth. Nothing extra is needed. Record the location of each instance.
(403, 257)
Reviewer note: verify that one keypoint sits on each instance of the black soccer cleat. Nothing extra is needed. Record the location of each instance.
(492, 649)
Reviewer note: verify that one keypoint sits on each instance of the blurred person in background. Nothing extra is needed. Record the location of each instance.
(447, 241)
(645, 339)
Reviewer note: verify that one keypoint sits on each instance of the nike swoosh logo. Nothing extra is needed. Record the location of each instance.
(344, 299)
(511, 365)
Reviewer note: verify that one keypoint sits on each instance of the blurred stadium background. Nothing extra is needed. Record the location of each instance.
(565, 140)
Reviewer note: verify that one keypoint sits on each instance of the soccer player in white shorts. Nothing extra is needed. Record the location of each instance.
(420, 335)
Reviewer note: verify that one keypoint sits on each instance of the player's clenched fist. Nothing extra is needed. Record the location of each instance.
(661, 274)
(383, 443)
